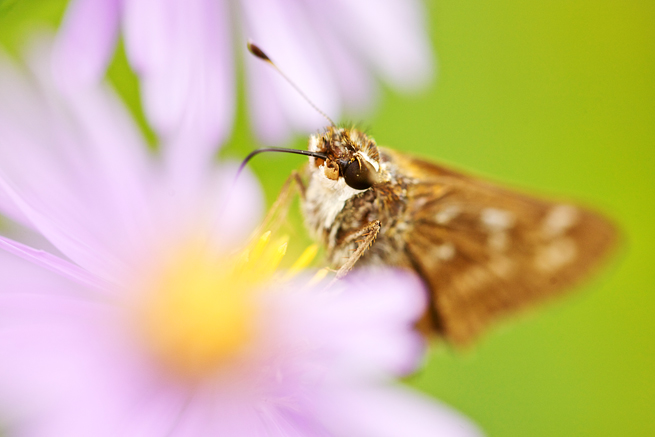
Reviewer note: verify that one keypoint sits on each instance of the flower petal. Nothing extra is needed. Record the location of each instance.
(391, 35)
(375, 335)
(157, 413)
(71, 240)
(39, 312)
(68, 368)
(10, 210)
(74, 166)
(392, 412)
(211, 204)
(148, 36)
(329, 50)
(270, 122)
(86, 41)
(182, 52)
(287, 35)
(52, 263)
(238, 206)
(357, 85)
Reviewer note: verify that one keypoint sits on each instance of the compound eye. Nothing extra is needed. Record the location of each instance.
(359, 175)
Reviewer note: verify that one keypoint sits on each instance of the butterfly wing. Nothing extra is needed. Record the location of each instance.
(487, 252)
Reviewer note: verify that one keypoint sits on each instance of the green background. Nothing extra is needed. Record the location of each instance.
(550, 96)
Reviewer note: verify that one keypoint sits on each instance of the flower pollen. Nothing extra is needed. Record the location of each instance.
(201, 309)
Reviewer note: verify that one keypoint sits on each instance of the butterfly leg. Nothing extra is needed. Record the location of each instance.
(365, 236)
(280, 207)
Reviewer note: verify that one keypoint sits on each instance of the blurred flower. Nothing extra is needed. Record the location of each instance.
(183, 52)
(144, 317)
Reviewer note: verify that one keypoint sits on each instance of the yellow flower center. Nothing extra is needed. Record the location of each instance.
(201, 309)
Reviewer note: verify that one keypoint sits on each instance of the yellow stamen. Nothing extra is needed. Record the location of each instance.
(275, 257)
(303, 261)
(198, 314)
(200, 310)
(319, 276)
(260, 245)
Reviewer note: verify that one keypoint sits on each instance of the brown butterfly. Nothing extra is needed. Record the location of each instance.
(483, 251)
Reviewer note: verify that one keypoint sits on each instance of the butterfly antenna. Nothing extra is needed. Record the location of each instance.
(252, 48)
(277, 149)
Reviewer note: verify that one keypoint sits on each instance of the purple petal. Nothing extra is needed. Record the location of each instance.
(195, 419)
(290, 417)
(48, 325)
(68, 366)
(76, 167)
(9, 209)
(390, 34)
(86, 41)
(283, 31)
(238, 206)
(356, 83)
(29, 237)
(357, 86)
(72, 240)
(100, 125)
(51, 263)
(156, 413)
(246, 414)
(269, 122)
(209, 202)
(376, 314)
(148, 35)
(392, 412)
(326, 48)
(182, 51)
(205, 410)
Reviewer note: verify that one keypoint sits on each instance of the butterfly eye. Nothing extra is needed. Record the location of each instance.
(359, 175)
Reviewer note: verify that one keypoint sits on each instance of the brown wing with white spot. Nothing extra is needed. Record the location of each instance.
(487, 252)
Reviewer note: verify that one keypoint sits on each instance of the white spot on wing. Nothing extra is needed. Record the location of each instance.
(556, 254)
(469, 282)
(558, 220)
(444, 252)
(444, 216)
(497, 222)
(497, 219)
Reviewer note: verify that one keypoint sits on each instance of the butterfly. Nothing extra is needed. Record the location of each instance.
(483, 251)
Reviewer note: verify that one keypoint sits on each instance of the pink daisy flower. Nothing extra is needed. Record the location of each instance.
(184, 50)
(137, 310)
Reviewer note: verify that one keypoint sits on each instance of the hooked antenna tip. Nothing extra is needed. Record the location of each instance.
(252, 48)
(263, 56)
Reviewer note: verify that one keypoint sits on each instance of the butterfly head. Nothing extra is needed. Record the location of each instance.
(350, 155)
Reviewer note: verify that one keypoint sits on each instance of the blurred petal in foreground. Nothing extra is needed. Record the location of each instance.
(151, 316)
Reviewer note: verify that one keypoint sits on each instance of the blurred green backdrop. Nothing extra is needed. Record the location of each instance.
(551, 96)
